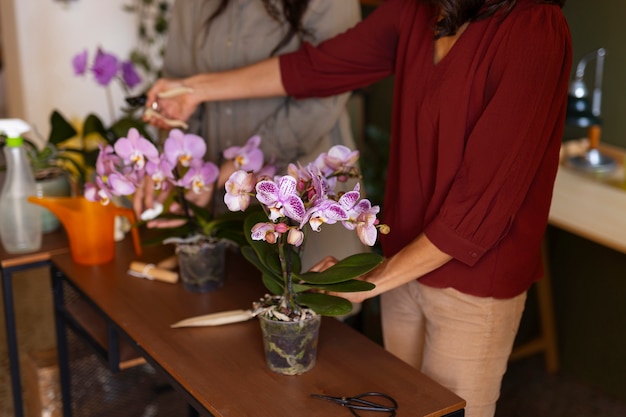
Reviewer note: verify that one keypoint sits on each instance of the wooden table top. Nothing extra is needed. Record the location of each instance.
(52, 243)
(224, 368)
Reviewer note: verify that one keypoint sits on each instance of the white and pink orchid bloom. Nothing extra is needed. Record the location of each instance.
(239, 188)
(354, 206)
(264, 231)
(248, 157)
(324, 211)
(136, 150)
(321, 186)
(199, 177)
(340, 158)
(366, 223)
(183, 148)
(281, 198)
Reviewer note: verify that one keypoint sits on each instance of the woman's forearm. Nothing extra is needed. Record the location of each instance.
(414, 261)
(258, 80)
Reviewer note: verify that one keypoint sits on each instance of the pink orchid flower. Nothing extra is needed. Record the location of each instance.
(134, 149)
(199, 177)
(161, 173)
(183, 148)
(248, 157)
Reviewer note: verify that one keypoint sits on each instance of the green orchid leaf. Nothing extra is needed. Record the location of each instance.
(273, 285)
(121, 126)
(60, 129)
(93, 124)
(353, 285)
(251, 255)
(324, 304)
(346, 269)
(80, 170)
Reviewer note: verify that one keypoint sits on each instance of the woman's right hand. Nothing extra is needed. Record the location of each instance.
(172, 99)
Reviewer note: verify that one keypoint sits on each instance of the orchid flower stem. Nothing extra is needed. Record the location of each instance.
(285, 263)
(110, 103)
(185, 206)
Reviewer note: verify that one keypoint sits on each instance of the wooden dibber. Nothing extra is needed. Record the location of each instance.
(150, 271)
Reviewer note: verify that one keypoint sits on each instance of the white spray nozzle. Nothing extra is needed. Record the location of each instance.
(13, 128)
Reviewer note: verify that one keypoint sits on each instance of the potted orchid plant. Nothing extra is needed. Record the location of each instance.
(179, 172)
(293, 205)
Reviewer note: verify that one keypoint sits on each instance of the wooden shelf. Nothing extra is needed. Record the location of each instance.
(95, 326)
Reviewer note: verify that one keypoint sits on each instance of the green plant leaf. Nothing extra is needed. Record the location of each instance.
(353, 285)
(273, 285)
(251, 255)
(121, 126)
(346, 269)
(93, 124)
(60, 129)
(324, 304)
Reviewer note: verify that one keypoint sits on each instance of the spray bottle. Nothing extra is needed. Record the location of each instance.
(20, 221)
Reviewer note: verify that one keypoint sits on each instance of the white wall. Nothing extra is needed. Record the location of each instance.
(39, 39)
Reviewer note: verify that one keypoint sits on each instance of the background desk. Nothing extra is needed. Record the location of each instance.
(222, 370)
(590, 207)
(53, 243)
(587, 243)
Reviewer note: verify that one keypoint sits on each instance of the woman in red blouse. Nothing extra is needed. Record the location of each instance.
(479, 105)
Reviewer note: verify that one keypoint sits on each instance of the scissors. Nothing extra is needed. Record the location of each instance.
(140, 100)
(359, 402)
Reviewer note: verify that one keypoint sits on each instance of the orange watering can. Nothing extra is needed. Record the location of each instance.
(90, 227)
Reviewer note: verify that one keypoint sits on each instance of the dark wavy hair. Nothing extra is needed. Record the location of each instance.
(292, 13)
(457, 12)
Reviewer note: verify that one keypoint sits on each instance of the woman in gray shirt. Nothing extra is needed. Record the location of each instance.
(217, 35)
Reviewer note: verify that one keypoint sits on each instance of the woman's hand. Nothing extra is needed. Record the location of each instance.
(171, 99)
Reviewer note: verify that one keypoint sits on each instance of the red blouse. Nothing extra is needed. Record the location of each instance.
(475, 138)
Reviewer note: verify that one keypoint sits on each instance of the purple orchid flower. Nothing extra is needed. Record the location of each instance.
(107, 160)
(183, 148)
(129, 74)
(238, 190)
(161, 173)
(105, 67)
(281, 198)
(199, 177)
(79, 62)
(120, 184)
(135, 150)
(248, 157)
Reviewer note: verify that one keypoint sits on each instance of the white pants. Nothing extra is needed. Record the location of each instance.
(461, 341)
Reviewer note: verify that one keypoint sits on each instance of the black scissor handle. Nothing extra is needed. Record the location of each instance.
(359, 402)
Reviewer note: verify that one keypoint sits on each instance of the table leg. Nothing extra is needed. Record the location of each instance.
(11, 330)
(64, 362)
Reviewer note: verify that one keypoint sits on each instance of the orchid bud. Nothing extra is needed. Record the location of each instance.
(295, 237)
